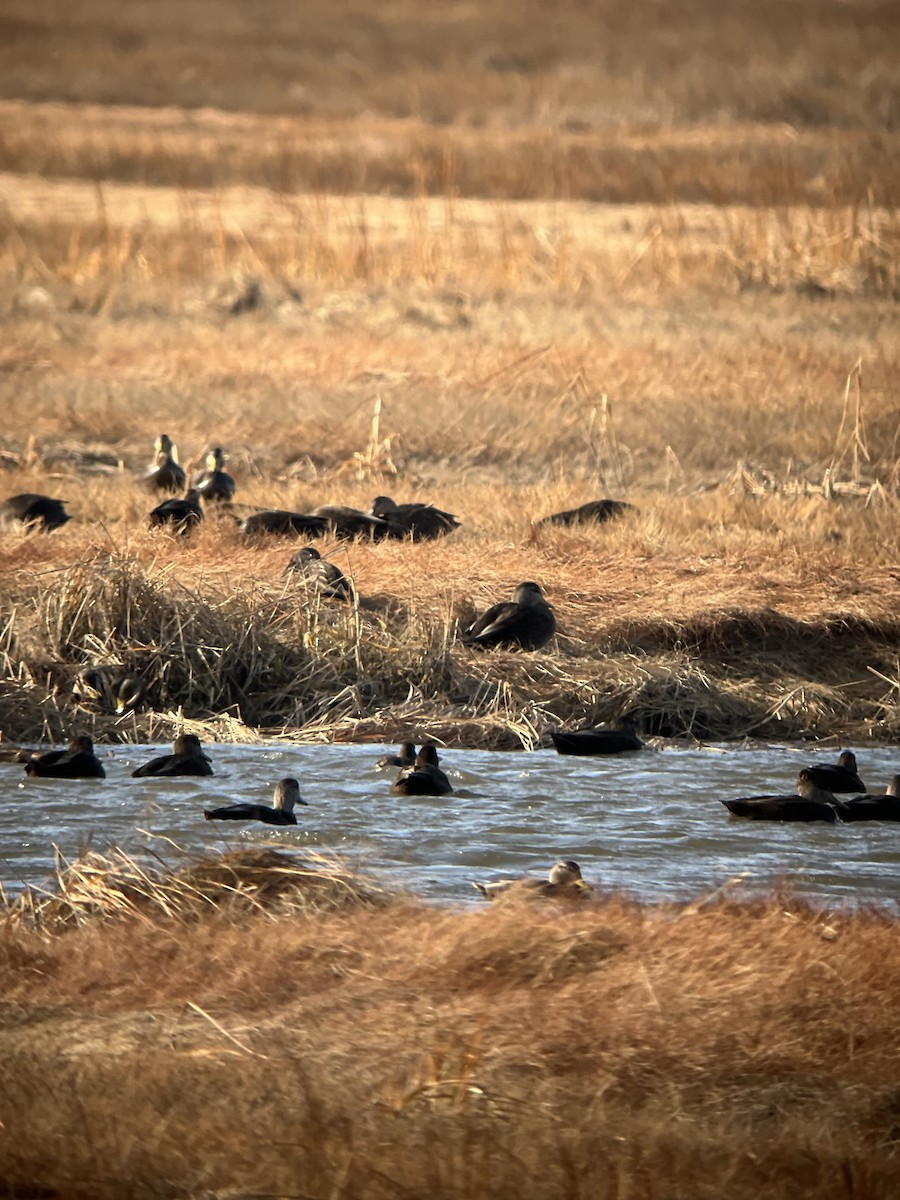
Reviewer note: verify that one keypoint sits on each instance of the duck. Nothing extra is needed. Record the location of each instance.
(183, 513)
(526, 622)
(77, 761)
(287, 794)
(564, 882)
(32, 509)
(841, 776)
(418, 521)
(885, 807)
(280, 522)
(811, 803)
(424, 777)
(346, 522)
(187, 758)
(116, 687)
(215, 484)
(616, 738)
(319, 575)
(165, 473)
(405, 757)
(597, 511)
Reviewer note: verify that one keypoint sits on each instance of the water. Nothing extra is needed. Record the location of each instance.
(648, 823)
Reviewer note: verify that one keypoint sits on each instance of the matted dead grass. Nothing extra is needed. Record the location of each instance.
(401, 1049)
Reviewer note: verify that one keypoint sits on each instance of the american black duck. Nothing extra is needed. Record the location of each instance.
(424, 777)
(345, 522)
(615, 738)
(77, 761)
(279, 522)
(214, 484)
(182, 514)
(187, 758)
(875, 807)
(287, 794)
(811, 803)
(165, 474)
(34, 509)
(596, 511)
(405, 757)
(420, 522)
(526, 622)
(319, 575)
(563, 883)
(113, 687)
(838, 777)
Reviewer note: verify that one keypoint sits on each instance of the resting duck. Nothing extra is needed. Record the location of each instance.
(77, 761)
(31, 508)
(319, 575)
(280, 522)
(165, 473)
(526, 622)
(420, 522)
(612, 739)
(838, 777)
(405, 758)
(563, 883)
(811, 803)
(346, 522)
(187, 758)
(595, 510)
(182, 513)
(215, 484)
(287, 794)
(875, 807)
(117, 688)
(424, 777)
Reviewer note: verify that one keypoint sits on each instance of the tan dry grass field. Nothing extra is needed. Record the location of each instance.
(505, 258)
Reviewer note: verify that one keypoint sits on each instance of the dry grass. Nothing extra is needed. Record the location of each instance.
(396, 1050)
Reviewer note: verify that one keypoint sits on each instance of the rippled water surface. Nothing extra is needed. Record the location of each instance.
(649, 823)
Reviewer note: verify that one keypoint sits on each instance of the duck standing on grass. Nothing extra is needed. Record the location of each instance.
(424, 777)
(77, 761)
(187, 758)
(287, 794)
(215, 484)
(811, 803)
(525, 623)
(563, 883)
(319, 575)
(182, 513)
(165, 473)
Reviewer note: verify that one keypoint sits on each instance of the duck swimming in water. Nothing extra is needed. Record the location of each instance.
(563, 883)
(811, 803)
(875, 807)
(406, 757)
(165, 473)
(215, 484)
(33, 509)
(77, 761)
(187, 758)
(616, 738)
(841, 776)
(420, 522)
(526, 622)
(424, 777)
(287, 794)
(319, 575)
